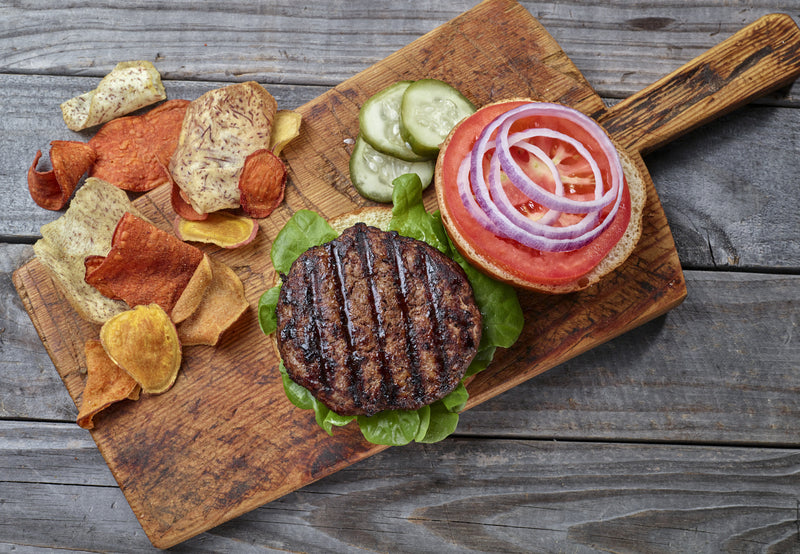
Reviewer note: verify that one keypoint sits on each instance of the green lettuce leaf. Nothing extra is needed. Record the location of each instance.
(500, 308)
(409, 217)
(498, 303)
(304, 230)
(303, 399)
(443, 424)
(267, 303)
(392, 427)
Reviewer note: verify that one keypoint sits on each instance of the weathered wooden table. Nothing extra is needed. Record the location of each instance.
(681, 435)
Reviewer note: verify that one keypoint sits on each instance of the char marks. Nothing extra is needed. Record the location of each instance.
(393, 320)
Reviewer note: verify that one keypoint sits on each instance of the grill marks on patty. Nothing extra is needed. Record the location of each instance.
(374, 321)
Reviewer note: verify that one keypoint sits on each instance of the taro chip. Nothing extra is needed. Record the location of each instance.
(143, 342)
(106, 384)
(128, 87)
(70, 160)
(221, 128)
(85, 230)
(221, 228)
(222, 305)
(262, 183)
(285, 128)
(133, 152)
(145, 265)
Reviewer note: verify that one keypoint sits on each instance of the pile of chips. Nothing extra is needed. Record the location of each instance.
(152, 292)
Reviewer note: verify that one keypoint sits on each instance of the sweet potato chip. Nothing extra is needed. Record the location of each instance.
(223, 304)
(145, 265)
(220, 129)
(85, 229)
(91, 263)
(143, 341)
(193, 294)
(106, 384)
(70, 160)
(129, 86)
(285, 128)
(221, 228)
(262, 183)
(181, 206)
(133, 152)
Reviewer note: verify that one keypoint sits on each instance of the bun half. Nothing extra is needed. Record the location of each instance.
(636, 178)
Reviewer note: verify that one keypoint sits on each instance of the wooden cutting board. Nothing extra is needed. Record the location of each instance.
(224, 440)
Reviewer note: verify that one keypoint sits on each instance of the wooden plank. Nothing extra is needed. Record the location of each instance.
(29, 384)
(758, 59)
(217, 432)
(720, 368)
(327, 43)
(461, 494)
(698, 176)
(279, 43)
(728, 191)
(605, 40)
(727, 351)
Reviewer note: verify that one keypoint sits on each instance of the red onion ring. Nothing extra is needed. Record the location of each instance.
(489, 203)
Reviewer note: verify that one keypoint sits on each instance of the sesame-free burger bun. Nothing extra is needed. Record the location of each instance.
(636, 177)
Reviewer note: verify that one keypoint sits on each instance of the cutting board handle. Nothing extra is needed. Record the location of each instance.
(760, 58)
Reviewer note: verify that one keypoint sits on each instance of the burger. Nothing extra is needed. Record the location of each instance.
(378, 320)
(384, 326)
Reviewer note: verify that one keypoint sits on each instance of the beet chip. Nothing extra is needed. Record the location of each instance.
(70, 160)
(145, 265)
(181, 206)
(106, 383)
(261, 183)
(133, 152)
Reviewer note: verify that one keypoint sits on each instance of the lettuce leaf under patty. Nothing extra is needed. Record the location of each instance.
(498, 303)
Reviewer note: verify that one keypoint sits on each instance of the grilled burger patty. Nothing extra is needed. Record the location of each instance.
(375, 321)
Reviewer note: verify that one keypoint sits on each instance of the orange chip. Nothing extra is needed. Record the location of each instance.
(133, 152)
(223, 304)
(261, 183)
(106, 383)
(221, 228)
(181, 206)
(194, 292)
(70, 160)
(144, 266)
(144, 342)
(90, 263)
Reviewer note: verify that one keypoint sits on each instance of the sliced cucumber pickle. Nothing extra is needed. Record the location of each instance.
(372, 172)
(428, 112)
(379, 123)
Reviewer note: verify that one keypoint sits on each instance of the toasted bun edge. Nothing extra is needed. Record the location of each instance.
(636, 178)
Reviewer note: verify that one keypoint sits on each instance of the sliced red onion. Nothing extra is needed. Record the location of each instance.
(551, 215)
(488, 203)
(541, 195)
(465, 192)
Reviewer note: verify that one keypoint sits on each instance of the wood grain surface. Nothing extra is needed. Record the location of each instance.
(758, 59)
(220, 442)
(705, 397)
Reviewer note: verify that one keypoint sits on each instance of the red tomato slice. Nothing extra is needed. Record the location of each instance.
(528, 264)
